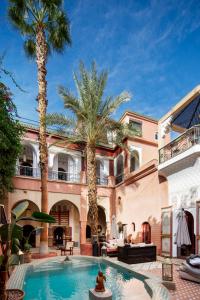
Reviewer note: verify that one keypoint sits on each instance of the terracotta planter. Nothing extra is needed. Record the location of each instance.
(15, 294)
(27, 257)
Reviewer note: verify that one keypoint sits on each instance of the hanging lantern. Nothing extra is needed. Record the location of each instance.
(104, 250)
(167, 270)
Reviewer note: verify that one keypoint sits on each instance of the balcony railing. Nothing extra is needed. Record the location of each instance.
(65, 176)
(103, 180)
(52, 175)
(27, 171)
(182, 143)
(119, 178)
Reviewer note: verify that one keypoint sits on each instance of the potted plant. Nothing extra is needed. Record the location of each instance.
(10, 236)
(27, 252)
(27, 246)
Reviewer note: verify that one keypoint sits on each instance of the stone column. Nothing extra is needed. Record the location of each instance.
(83, 232)
(111, 181)
(83, 177)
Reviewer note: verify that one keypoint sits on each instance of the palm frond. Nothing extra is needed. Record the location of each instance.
(27, 15)
(57, 119)
(30, 48)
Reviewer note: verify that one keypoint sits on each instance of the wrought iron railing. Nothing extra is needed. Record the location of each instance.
(182, 143)
(65, 176)
(103, 180)
(119, 178)
(52, 175)
(27, 171)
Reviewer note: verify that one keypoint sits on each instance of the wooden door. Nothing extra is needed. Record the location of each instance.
(166, 231)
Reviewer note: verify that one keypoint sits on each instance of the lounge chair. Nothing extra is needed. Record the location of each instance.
(67, 248)
(190, 270)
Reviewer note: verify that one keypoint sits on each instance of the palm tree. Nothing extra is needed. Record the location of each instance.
(46, 28)
(92, 113)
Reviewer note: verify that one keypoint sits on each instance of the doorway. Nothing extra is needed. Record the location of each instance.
(29, 233)
(186, 250)
(58, 235)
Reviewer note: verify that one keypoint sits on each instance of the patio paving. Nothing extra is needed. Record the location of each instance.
(185, 290)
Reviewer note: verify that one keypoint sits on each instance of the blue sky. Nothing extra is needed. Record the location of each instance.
(150, 48)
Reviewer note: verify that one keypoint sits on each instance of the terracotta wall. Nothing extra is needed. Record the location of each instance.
(139, 202)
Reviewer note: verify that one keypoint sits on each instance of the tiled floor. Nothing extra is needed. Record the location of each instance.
(185, 290)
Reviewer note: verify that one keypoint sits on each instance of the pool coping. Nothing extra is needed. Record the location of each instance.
(151, 282)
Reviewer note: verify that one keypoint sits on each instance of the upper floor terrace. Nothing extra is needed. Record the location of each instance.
(183, 124)
(68, 164)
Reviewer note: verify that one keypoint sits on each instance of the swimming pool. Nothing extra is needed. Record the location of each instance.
(72, 280)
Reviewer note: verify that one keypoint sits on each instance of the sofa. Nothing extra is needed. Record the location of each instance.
(190, 269)
(112, 246)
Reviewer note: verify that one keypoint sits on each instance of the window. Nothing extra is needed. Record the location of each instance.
(136, 127)
(156, 135)
(134, 161)
(119, 169)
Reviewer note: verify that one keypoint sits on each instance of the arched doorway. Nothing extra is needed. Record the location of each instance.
(67, 226)
(58, 235)
(30, 234)
(146, 233)
(29, 225)
(186, 250)
(101, 224)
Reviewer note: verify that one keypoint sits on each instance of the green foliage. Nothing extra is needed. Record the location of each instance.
(43, 217)
(28, 16)
(91, 110)
(11, 234)
(20, 208)
(10, 146)
(27, 247)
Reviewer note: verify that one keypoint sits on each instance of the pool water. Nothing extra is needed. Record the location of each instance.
(61, 281)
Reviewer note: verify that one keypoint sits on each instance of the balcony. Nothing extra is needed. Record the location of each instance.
(65, 176)
(119, 178)
(52, 175)
(103, 180)
(27, 171)
(182, 143)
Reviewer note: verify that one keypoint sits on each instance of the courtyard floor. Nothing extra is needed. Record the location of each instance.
(185, 290)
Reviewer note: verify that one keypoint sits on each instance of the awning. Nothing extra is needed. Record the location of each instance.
(189, 115)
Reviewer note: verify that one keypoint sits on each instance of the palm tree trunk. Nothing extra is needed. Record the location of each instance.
(92, 188)
(41, 59)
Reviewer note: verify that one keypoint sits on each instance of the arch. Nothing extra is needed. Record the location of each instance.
(186, 250)
(102, 227)
(146, 233)
(32, 206)
(29, 225)
(134, 161)
(67, 217)
(26, 160)
(65, 165)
